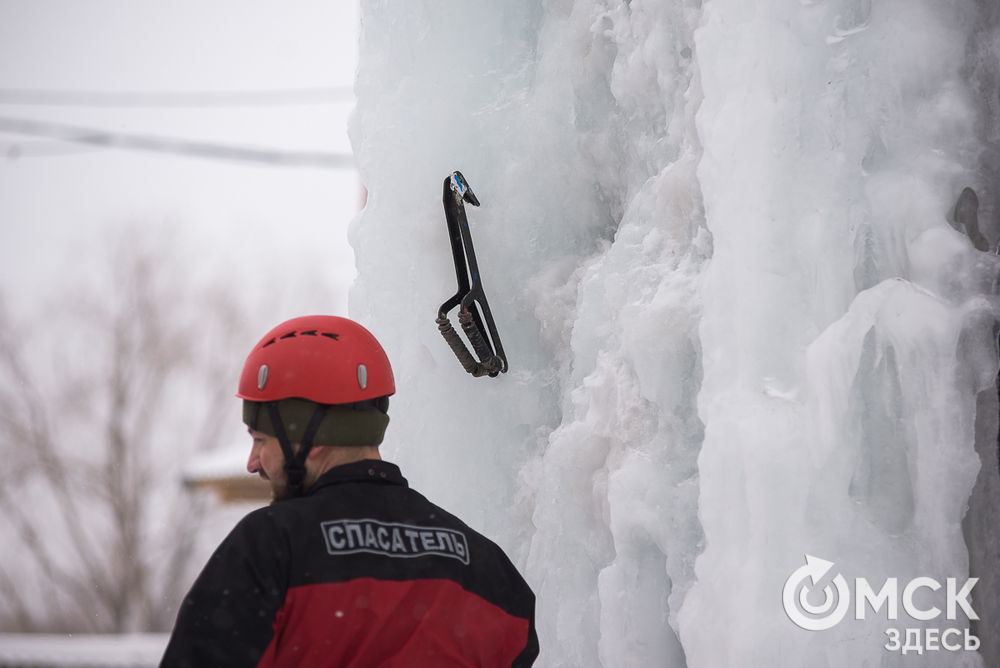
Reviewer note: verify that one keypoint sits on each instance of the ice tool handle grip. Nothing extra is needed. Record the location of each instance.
(474, 311)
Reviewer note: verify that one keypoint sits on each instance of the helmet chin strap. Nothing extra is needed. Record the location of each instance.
(295, 462)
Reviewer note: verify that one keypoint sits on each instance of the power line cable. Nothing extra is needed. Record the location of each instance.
(42, 148)
(194, 99)
(186, 147)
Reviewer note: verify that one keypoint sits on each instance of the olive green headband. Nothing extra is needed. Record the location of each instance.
(341, 425)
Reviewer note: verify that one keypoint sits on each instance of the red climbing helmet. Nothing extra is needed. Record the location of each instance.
(322, 358)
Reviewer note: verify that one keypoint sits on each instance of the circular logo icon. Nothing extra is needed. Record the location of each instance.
(809, 606)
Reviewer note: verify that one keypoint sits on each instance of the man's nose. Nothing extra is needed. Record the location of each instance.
(253, 463)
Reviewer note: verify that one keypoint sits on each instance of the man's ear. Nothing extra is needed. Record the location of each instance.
(316, 451)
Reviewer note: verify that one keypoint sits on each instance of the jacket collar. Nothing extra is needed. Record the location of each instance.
(366, 470)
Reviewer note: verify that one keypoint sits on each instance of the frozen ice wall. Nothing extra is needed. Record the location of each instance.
(742, 323)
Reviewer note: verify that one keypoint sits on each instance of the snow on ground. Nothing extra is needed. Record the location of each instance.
(42, 650)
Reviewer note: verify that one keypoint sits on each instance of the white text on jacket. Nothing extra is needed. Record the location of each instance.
(393, 539)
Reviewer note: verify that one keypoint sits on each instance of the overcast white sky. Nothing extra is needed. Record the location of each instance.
(58, 197)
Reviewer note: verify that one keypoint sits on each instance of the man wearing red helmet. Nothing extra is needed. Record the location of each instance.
(349, 566)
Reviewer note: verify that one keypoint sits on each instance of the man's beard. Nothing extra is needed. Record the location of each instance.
(279, 491)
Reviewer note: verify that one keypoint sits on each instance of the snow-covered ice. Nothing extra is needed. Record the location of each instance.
(741, 324)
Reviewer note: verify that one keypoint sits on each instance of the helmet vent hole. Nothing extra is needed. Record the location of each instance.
(290, 335)
(330, 335)
(309, 332)
(271, 342)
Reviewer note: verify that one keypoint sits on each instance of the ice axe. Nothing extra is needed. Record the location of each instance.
(474, 310)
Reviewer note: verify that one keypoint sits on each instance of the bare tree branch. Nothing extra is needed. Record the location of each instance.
(90, 440)
(56, 579)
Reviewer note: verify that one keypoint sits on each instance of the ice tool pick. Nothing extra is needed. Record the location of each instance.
(473, 310)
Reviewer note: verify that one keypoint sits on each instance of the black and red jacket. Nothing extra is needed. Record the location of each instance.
(362, 571)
